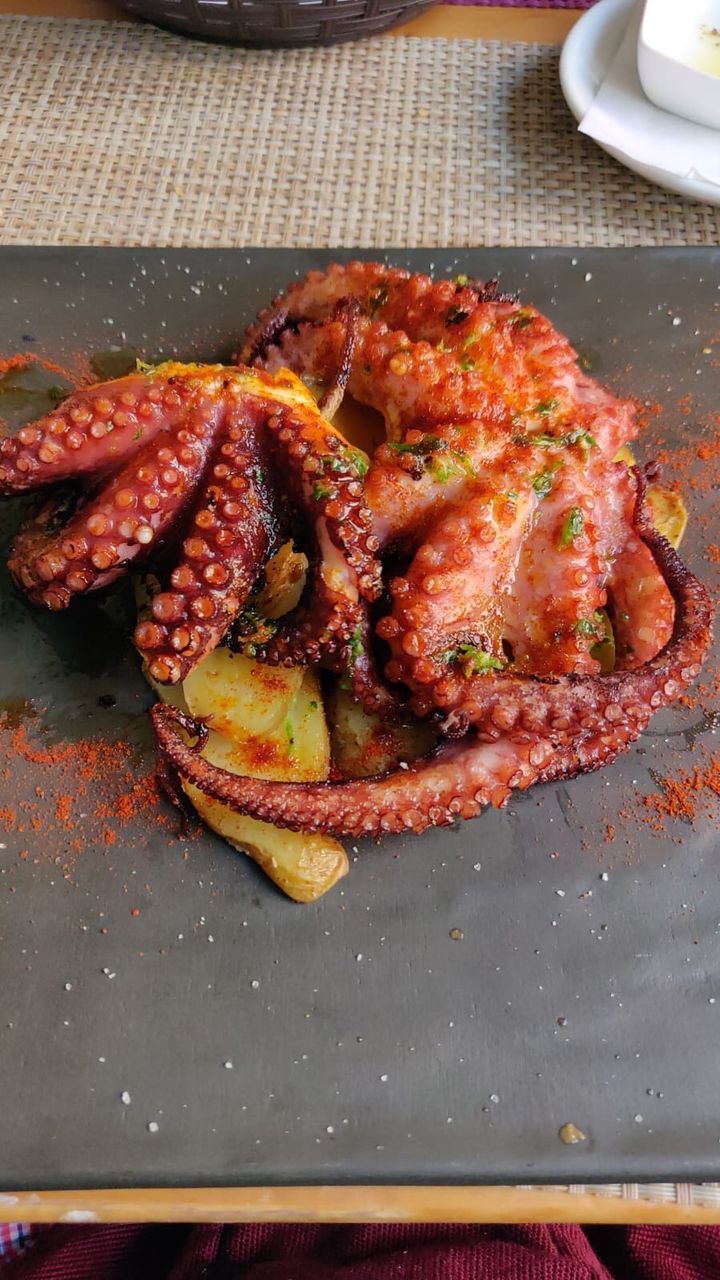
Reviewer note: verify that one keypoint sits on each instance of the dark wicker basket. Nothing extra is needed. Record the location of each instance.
(277, 22)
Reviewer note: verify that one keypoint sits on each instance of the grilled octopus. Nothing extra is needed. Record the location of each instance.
(507, 532)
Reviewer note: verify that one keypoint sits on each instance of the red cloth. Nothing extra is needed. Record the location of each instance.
(301, 1252)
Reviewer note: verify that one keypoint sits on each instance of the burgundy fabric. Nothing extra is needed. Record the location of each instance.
(303, 1252)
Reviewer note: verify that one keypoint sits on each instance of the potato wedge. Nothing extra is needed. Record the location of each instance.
(364, 745)
(285, 575)
(297, 750)
(239, 697)
(626, 455)
(304, 865)
(669, 513)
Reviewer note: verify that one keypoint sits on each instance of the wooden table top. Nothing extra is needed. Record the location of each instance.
(347, 1204)
(549, 26)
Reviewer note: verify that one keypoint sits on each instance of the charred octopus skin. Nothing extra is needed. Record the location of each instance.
(499, 488)
(191, 454)
(508, 530)
(460, 778)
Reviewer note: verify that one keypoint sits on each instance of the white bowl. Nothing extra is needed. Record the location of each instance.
(679, 58)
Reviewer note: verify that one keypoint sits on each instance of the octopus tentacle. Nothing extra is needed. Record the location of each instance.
(95, 429)
(456, 588)
(229, 538)
(456, 781)
(322, 475)
(500, 703)
(417, 389)
(150, 438)
(121, 524)
(510, 347)
(348, 312)
(358, 667)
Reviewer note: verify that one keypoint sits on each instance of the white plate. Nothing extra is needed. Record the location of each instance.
(586, 56)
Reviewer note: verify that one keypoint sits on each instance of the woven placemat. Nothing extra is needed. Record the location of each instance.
(112, 133)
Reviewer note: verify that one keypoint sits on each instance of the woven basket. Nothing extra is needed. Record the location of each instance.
(277, 22)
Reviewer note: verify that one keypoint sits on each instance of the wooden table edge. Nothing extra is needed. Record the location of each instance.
(453, 22)
(342, 1204)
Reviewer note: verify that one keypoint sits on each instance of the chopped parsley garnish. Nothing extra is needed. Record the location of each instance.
(289, 735)
(321, 491)
(356, 645)
(462, 281)
(138, 434)
(354, 458)
(573, 525)
(594, 626)
(521, 319)
(354, 651)
(544, 407)
(421, 448)
(251, 630)
(543, 483)
(443, 346)
(544, 441)
(450, 463)
(474, 661)
(467, 363)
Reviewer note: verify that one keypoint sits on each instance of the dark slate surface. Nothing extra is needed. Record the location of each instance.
(366, 1044)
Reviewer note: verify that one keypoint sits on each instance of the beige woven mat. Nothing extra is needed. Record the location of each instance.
(120, 134)
(112, 133)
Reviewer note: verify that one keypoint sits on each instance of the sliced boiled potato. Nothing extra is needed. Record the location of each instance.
(625, 454)
(240, 697)
(285, 575)
(362, 426)
(669, 513)
(304, 865)
(297, 750)
(364, 745)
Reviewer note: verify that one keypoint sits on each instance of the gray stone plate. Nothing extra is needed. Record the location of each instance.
(366, 1043)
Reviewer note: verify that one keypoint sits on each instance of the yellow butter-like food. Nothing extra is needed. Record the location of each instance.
(364, 745)
(669, 513)
(304, 864)
(261, 731)
(238, 697)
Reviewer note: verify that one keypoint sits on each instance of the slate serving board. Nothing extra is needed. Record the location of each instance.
(367, 1044)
